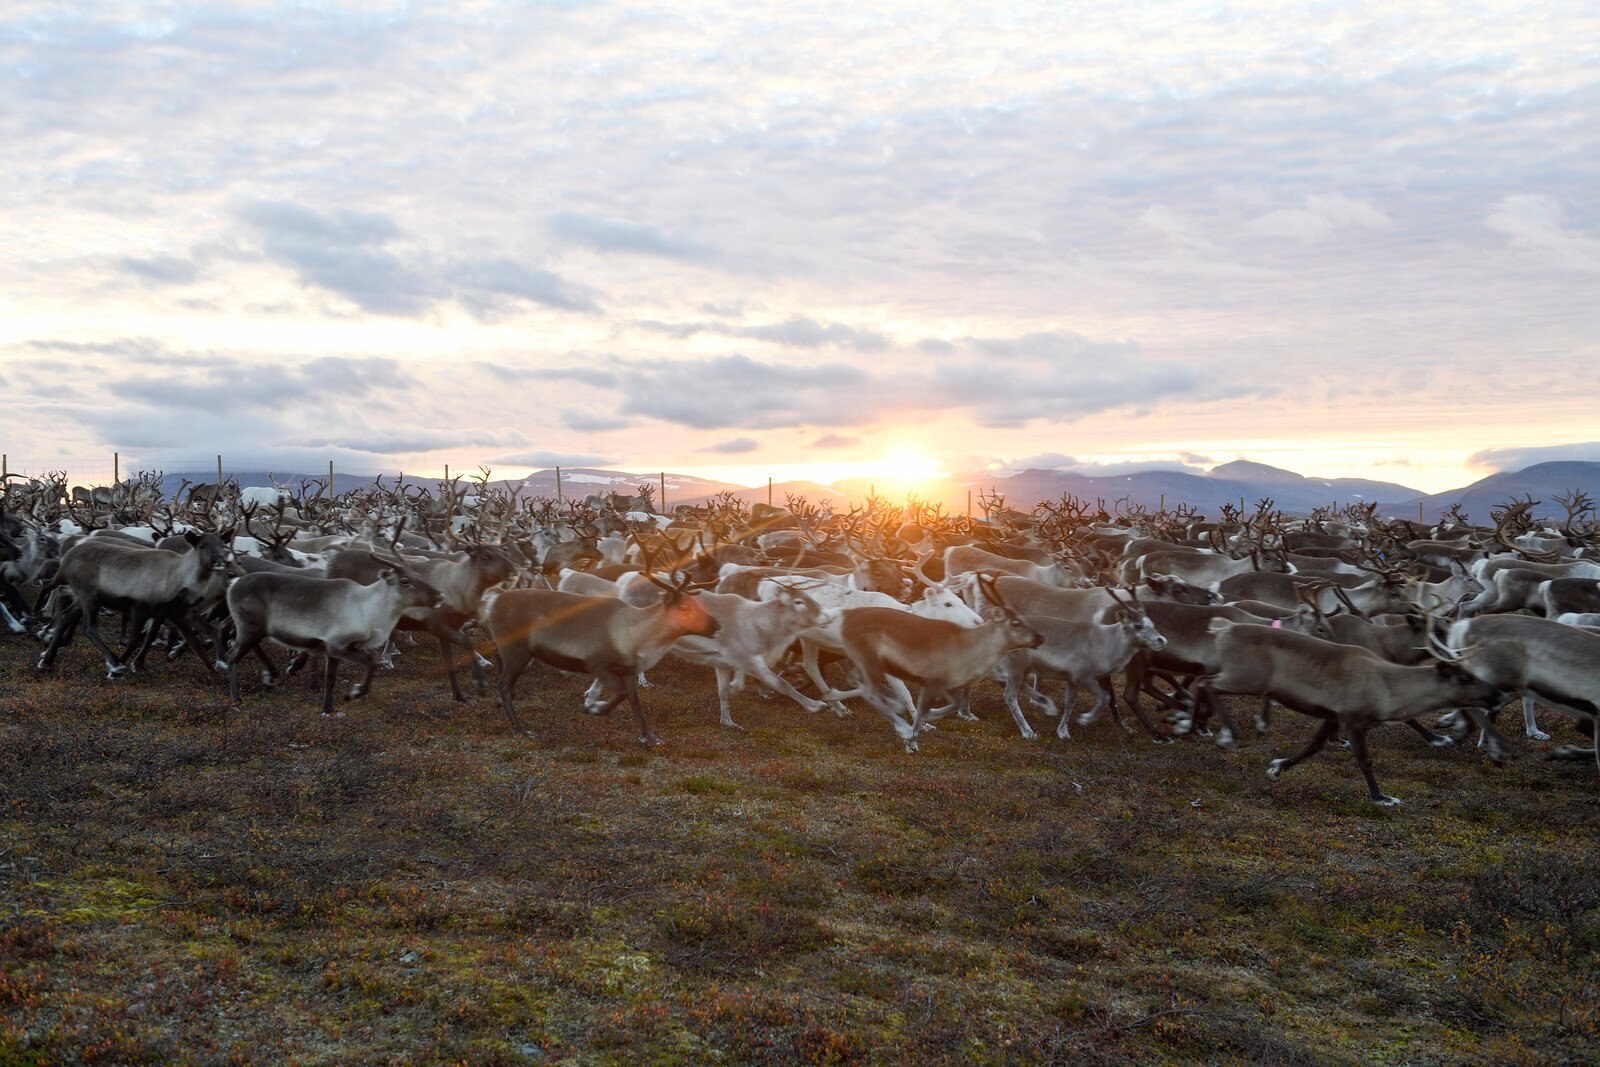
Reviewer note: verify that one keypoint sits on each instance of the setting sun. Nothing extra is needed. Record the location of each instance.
(907, 466)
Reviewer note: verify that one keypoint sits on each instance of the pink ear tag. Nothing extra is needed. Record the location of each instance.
(1277, 624)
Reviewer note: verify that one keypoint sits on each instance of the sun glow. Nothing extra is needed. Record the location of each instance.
(902, 471)
(907, 467)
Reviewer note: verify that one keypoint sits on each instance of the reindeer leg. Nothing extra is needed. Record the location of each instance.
(448, 640)
(1530, 725)
(513, 661)
(1013, 683)
(774, 681)
(724, 695)
(1133, 682)
(1358, 743)
(1108, 685)
(597, 700)
(115, 668)
(1264, 714)
(630, 689)
(1318, 740)
(1437, 740)
(368, 664)
(330, 676)
(1102, 697)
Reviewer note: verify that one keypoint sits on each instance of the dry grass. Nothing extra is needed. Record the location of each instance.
(412, 884)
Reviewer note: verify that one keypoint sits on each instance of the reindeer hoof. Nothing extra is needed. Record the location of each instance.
(1275, 768)
(116, 672)
(1442, 741)
(1386, 801)
(1225, 739)
(1029, 735)
(730, 724)
(1538, 735)
(1088, 718)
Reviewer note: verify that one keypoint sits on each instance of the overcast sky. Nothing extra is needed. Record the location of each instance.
(1344, 238)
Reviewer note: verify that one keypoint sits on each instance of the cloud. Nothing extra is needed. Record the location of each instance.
(1176, 226)
(797, 331)
(406, 442)
(1051, 345)
(835, 440)
(1051, 376)
(228, 383)
(1538, 222)
(585, 375)
(160, 270)
(801, 332)
(490, 287)
(344, 252)
(733, 446)
(620, 235)
(1321, 215)
(1516, 458)
(1057, 461)
(534, 372)
(552, 459)
(737, 391)
(1045, 461)
(593, 421)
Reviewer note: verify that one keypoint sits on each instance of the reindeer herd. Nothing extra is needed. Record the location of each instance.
(1344, 617)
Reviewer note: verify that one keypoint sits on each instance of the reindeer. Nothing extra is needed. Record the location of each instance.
(1348, 688)
(601, 636)
(148, 582)
(1542, 659)
(1080, 655)
(939, 656)
(340, 618)
(751, 638)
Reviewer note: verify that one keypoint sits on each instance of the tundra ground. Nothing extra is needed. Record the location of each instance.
(413, 884)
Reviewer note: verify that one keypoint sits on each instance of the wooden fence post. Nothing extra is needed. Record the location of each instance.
(219, 472)
(116, 468)
(769, 490)
(663, 504)
(558, 486)
(330, 480)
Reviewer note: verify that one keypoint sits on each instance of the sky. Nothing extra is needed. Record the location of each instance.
(813, 240)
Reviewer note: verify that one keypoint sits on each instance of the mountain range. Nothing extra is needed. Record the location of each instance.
(1240, 482)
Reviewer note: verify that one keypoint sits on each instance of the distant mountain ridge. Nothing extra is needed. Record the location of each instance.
(1542, 481)
(1230, 483)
